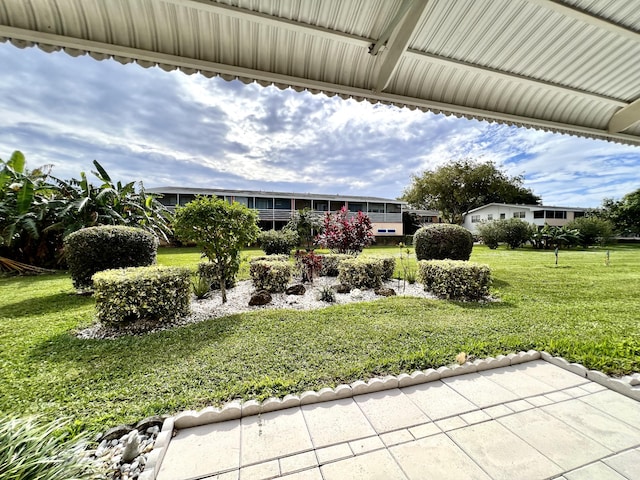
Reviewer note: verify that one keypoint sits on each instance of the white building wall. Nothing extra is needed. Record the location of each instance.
(497, 212)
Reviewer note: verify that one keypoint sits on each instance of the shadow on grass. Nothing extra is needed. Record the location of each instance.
(43, 305)
(135, 352)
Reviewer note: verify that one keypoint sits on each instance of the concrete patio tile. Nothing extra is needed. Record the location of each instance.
(450, 423)
(394, 438)
(498, 411)
(480, 390)
(559, 396)
(297, 462)
(616, 405)
(261, 471)
(593, 387)
(502, 454)
(577, 392)
(312, 474)
(334, 422)
(438, 457)
(365, 445)
(438, 400)
(373, 465)
(555, 439)
(475, 417)
(540, 401)
(597, 425)
(389, 410)
(552, 375)
(333, 453)
(202, 450)
(272, 435)
(425, 430)
(513, 380)
(626, 464)
(595, 471)
(234, 475)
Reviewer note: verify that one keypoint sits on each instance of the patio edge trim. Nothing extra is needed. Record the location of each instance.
(628, 385)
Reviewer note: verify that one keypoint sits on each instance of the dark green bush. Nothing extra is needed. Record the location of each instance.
(278, 241)
(515, 232)
(94, 249)
(490, 234)
(593, 230)
(361, 272)
(443, 241)
(209, 270)
(157, 294)
(455, 279)
(272, 276)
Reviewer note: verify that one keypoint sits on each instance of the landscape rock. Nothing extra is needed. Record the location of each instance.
(296, 290)
(115, 433)
(155, 421)
(131, 447)
(341, 288)
(260, 298)
(385, 292)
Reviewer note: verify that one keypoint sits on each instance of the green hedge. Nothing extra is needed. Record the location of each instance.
(443, 241)
(455, 279)
(208, 270)
(330, 263)
(388, 266)
(157, 294)
(361, 272)
(270, 258)
(273, 276)
(278, 241)
(94, 249)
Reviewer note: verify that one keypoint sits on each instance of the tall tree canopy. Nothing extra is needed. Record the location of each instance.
(624, 214)
(462, 185)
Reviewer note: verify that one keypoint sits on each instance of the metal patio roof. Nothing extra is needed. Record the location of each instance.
(570, 66)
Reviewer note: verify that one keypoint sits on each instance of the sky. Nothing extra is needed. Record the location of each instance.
(173, 129)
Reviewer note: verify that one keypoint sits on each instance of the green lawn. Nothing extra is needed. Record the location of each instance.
(583, 310)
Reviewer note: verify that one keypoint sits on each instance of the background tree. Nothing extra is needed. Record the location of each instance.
(461, 185)
(624, 214)
(220, 230)
(307, 224)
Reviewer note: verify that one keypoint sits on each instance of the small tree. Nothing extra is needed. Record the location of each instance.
(342, 234)
(593, 230)
(307, 224)
(220, 230)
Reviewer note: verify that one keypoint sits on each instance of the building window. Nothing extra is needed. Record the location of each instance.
(185, 198)
(321, 205)
(356, 207)
(301, 204)
(282, 204)
(475, 218)
(489, 216)
(561, 214)
(335, 206)
(168, 199)
(538, 214)
(264, 203)
(503, 216)
(376, 208)
(519, 214)
(394, 208)
(578, 214)
(246, 201)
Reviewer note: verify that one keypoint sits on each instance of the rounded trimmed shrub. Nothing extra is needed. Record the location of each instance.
(94, 249)
(443, 241)
(275, 242)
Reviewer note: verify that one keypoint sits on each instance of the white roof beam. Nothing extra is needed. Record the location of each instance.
(397, 44)
(587, 18)
(264, 19)
(375, 47)
(625, 117)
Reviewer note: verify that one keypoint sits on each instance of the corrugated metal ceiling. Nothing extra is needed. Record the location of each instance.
(571, 66)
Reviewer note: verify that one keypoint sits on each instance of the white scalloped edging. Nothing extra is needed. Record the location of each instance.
(629, 386)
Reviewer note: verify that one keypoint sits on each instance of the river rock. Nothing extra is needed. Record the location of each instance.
(296, 290)
(260, 298)
(385, 292)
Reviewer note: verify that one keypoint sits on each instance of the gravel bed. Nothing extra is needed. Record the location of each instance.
(238, 302)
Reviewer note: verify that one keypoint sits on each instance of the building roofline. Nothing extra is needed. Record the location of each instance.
(258, 193)
(530, 207)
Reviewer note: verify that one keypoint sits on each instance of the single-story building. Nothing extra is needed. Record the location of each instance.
(535, 214)
(276, 208)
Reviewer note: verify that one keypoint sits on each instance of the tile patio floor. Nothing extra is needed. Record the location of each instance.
(528, 421)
